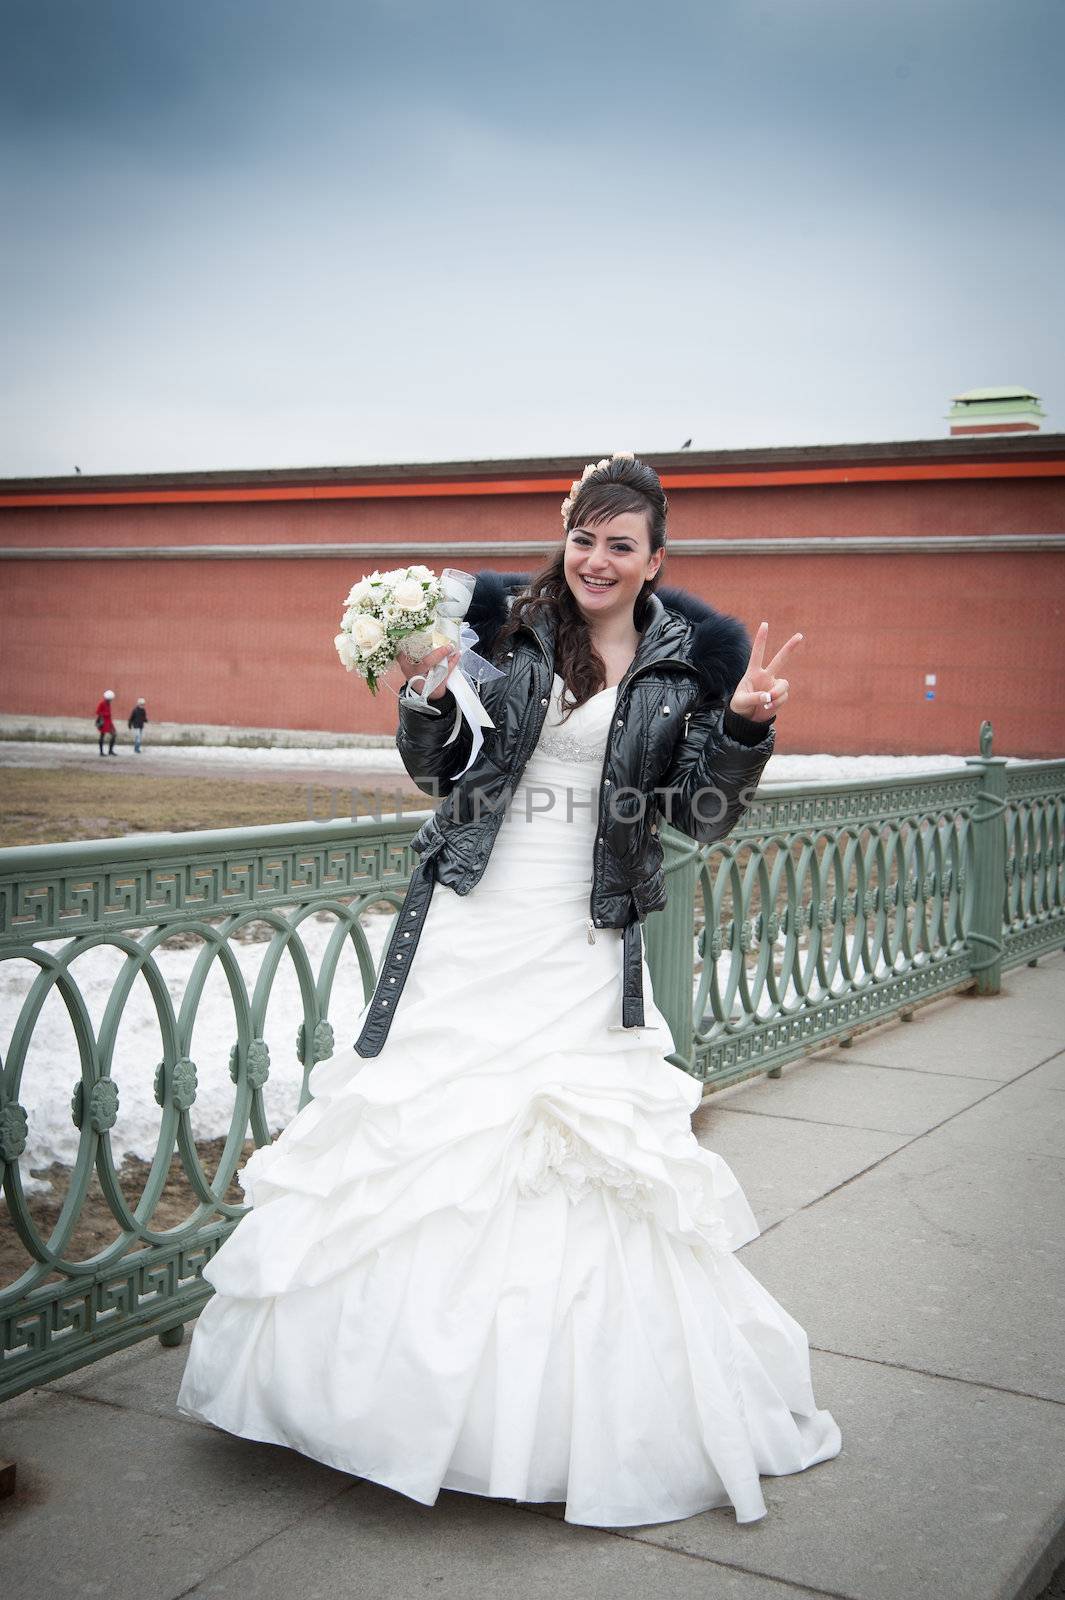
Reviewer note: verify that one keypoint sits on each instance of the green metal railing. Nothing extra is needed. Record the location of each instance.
(832, 907)
(835, 906)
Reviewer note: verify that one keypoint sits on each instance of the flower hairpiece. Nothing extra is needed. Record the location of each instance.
(578, 483)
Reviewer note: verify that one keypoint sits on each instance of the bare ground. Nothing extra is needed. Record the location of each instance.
(96, 1227)
(43, 806)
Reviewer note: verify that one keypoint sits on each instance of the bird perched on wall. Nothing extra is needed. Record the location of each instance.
(686, 445)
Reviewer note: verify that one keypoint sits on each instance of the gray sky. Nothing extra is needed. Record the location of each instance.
(244, 233)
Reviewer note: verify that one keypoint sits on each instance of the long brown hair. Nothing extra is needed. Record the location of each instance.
(619, 486)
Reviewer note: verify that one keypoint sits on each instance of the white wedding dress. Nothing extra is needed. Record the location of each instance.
(494, 1258)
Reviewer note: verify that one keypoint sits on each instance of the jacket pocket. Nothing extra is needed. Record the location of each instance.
(650, 893)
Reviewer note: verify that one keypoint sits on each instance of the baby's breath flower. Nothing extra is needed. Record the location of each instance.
(380, 613)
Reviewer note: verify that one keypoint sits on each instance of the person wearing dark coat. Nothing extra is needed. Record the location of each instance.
(137, 719)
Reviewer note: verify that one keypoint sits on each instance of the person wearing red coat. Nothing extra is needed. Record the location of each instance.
(105, 722)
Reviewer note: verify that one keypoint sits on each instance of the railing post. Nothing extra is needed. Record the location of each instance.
(987, 888)
(670, 943)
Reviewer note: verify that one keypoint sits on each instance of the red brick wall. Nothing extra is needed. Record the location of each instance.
(250, 641)
(1019, 505)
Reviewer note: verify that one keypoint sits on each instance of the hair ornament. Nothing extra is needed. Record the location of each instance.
(578, 483)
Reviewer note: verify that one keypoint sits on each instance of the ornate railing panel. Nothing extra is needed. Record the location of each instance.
(175, 990)
(1035, 860)
(188, 942)
(823, 913)
(834, 906)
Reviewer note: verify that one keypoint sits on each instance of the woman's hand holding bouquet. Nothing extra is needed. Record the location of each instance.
(412, 618)
(421, 667)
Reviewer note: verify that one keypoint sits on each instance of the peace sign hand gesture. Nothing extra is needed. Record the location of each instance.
(760, 692)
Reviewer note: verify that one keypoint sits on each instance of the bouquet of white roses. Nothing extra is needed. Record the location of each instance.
(384, 613)
(414, 610)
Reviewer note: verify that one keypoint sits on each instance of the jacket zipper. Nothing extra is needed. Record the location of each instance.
(629, 678)
(524, 762)
(531, 739)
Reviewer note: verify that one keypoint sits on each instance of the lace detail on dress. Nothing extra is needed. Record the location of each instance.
(557, 742)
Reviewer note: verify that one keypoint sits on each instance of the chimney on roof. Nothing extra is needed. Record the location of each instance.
(1007, 410)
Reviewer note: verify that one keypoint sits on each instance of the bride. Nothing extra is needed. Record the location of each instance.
(489, 1254)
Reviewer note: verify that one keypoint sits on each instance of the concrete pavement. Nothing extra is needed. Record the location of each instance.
(338, 770)
(911, 1192)
(33, 729)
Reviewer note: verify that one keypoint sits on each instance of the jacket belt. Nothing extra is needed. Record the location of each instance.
(397, 960)
(632, 977)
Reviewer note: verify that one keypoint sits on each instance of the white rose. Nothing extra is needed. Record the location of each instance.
(367, 633)
(346, 650)
(423, 574)
(586, 474)
(601, 464)
(409, 595)
(361, 594)
(624, 455)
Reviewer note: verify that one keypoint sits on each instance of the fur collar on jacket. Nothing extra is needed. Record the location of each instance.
(681, 628)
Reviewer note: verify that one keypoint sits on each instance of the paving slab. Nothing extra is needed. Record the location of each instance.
(397, 1546)
(117, 1503)
(834, 1088)
(994, 1036)
(1026, 1116)
(146, 1378)
(943, 1491)
(946, 1258)
(376, 1543)
(784, 1163)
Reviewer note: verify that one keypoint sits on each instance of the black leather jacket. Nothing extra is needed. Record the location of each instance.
(676, 753)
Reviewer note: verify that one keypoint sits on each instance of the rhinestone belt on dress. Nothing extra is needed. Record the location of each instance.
(564, 747)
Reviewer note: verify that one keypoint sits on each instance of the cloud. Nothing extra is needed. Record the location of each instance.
(244, 234)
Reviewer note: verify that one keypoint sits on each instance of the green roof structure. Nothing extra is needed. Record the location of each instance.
(1006, 409)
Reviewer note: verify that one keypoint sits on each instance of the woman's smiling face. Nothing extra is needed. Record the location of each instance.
(607, 565)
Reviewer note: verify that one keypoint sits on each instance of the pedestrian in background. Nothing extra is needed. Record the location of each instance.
(105, 722)
(137, 718)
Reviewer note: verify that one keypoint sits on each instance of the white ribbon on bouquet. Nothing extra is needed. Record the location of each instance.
(448, 628)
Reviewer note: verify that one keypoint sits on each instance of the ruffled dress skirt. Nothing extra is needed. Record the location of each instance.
(494, 1257)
